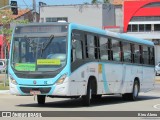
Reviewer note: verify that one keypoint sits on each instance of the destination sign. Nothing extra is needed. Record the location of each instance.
(41, 29)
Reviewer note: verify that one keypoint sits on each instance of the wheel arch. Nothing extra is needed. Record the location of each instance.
(93, 81)
(138, 80)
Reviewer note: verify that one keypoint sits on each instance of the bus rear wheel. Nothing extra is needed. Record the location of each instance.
(134, 95)
(41, 99)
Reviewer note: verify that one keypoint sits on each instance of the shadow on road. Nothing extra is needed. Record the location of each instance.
(77, 103)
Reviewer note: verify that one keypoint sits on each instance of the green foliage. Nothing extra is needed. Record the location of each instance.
(99, 1)
(6, 87)
(2, 87)
(6, 19)
(94, 1)
(26, 21)
(105, 1)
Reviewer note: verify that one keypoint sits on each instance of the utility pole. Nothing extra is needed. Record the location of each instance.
(34, 11)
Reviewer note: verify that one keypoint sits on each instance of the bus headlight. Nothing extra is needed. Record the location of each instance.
(13, 81)
(61, 79)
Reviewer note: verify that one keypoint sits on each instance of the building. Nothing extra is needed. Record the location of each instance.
(88, 14)
(4, 3)
(142, 19)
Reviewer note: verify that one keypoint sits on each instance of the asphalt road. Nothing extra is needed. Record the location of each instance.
(145, 102)
(149, 101)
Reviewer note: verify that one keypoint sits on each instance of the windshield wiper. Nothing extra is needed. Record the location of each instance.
(45, 45)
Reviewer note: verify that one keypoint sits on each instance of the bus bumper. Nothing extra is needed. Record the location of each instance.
(57, 90)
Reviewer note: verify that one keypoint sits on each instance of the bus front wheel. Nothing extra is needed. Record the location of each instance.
(87, 98)
(41, 99)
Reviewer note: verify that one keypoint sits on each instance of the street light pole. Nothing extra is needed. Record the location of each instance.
(34, 11)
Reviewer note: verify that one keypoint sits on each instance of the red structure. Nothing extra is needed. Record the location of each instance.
(3, 45)
(136, 8)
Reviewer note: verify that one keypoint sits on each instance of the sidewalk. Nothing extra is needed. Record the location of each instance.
(4, 92)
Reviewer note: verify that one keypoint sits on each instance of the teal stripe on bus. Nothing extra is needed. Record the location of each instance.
(105, 83)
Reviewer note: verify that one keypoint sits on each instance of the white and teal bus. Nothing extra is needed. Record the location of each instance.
(71, 60)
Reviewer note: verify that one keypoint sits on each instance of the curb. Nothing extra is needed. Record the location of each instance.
(4, 92)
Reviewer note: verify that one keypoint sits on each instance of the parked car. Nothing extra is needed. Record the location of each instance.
(157, 69)
(2, 66)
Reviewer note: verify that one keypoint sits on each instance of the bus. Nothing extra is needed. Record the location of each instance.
(76, 61)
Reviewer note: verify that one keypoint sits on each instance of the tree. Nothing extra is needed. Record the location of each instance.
(97, 1)
(105, 1)
(6, 17)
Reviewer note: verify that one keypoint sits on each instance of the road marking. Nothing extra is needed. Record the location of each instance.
(157, 106)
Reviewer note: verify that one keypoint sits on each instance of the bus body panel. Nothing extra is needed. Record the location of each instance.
(115, 80)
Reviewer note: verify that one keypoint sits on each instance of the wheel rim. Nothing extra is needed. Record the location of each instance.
(135, 90)
(90, 94)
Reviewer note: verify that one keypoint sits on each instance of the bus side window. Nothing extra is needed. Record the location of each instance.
(146, 54)
(104, 50)
(141, 54)
(96, 43)
(137, 54)
(76, 52)
(152, 56)
(90, 46)
(127, 52)
(116, 50)
(132, 53)
(110, 51)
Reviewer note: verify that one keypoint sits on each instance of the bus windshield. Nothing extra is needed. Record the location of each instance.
(39, 51)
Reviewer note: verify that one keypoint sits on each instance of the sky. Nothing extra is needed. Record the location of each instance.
(28, 3)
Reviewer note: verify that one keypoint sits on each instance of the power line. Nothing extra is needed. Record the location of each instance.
(25, 4)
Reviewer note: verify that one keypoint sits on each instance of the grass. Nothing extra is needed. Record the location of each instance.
(2, 87)
(6, 87)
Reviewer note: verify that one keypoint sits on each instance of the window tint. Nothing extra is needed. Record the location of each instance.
(152, 56)
(77, 51)
(148, 27)
(104, 48)
(132, 53)
(116, 50)
(96, 43)
(137, 54)
(145, 55)
(156, 27)
(141, 28)
(134, 28)
(90, 50)
(129, 29)
(126, 52)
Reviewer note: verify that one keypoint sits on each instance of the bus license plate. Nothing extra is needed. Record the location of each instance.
(35, 92)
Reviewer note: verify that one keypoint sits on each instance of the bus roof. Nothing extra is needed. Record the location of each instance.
(111, 34)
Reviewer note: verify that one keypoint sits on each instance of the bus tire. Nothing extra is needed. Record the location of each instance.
(41, 99)
(86, 99)
(157, 74)
(96, 97)
(134, 95)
